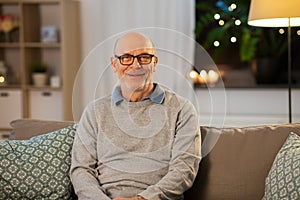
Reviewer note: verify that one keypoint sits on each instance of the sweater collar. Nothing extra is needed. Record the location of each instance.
(157, 96)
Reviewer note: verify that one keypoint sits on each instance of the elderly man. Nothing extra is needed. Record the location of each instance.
(141, 142)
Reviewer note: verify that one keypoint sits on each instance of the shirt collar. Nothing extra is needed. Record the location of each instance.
(157, 96)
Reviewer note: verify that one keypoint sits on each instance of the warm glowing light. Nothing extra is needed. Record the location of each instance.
(274, 13)
(193, 74)
(213, 77)
(232, 7)
(233, 39)
(203, 74)
(212, 73)
(210, 78)
(298, 32)
(221, 22)
(281, 31)
(2, 79)
(217, 16)
(237, 22)
(216, 43)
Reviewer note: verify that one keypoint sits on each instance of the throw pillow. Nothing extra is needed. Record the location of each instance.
(37, 168)
(283, 180)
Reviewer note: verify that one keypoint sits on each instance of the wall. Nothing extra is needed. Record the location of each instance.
(169, 23)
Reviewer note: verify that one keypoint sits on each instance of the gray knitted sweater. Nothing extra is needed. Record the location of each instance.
(128, 148)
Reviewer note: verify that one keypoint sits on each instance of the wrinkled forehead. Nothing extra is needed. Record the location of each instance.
(133, 45)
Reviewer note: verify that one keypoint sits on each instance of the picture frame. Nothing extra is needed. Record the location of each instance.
(49, 34)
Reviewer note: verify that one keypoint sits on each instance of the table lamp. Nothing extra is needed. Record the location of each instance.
(277, 13)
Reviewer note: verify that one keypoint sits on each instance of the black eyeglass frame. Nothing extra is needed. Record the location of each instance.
(137, 57)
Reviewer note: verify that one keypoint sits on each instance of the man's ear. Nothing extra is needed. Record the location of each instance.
(155, 63)
(113, 62)
(155, 60)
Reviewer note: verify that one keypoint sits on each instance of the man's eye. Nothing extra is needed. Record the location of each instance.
(126, 57)
(144, 57)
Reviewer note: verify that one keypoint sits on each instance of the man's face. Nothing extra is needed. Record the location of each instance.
(135, 73)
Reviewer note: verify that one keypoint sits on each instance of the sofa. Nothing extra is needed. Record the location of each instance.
(249, 163)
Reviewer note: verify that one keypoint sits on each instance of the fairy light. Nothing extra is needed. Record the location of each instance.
(216, 43)
(221, 22)
(2, 79)
(232, 7)
(203, 74)
(281, 31)
(298, 32)
(237, 22)
(213, 77)
(217, 16)
(233, 39)
(193, 74)
(209, 77)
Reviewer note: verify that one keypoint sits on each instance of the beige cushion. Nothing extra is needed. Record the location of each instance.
(239, 162)
(24, 129)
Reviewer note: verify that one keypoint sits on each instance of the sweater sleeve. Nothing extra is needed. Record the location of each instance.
(185, 158)
(83, 171)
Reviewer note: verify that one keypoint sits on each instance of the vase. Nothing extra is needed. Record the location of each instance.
(39, 79)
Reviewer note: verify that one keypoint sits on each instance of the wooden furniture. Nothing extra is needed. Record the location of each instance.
(25, 46)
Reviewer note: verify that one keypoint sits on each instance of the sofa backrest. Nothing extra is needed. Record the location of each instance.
(23, 129)
(239, 161)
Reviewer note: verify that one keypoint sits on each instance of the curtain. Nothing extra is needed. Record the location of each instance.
(170, 25)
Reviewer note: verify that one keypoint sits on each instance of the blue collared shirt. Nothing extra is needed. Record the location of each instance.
(156, 96)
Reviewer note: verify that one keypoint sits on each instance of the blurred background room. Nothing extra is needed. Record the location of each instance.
(235, 74)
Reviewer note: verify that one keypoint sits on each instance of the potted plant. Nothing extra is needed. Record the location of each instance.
(254, 45)
(39, 74)
(230, 23)
(270, 51)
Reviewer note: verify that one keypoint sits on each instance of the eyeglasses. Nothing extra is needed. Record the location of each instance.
(128, 59)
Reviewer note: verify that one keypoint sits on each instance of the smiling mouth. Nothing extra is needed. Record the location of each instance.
(136, 75)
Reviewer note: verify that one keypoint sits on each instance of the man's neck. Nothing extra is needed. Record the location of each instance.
(138, 94)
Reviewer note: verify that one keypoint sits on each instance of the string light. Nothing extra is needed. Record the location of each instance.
(210, 78)
(281, 31)
(237, 22)
(217, 16)
(233, 39)
(232, 7)
(203, 73)
(213, 77)
(216, 43)
(221, 22)
(298, 32)
(2, 79)
(193, 74)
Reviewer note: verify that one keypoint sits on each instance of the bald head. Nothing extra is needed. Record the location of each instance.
(131, 42)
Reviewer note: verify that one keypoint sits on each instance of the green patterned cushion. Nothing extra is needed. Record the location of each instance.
(37, 168)
(283, 180)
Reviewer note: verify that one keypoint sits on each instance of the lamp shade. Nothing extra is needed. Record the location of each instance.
(274, 13)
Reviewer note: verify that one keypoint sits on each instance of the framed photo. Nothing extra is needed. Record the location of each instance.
(49, 34)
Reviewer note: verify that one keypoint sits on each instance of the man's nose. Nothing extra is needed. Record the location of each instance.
(135, 63)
